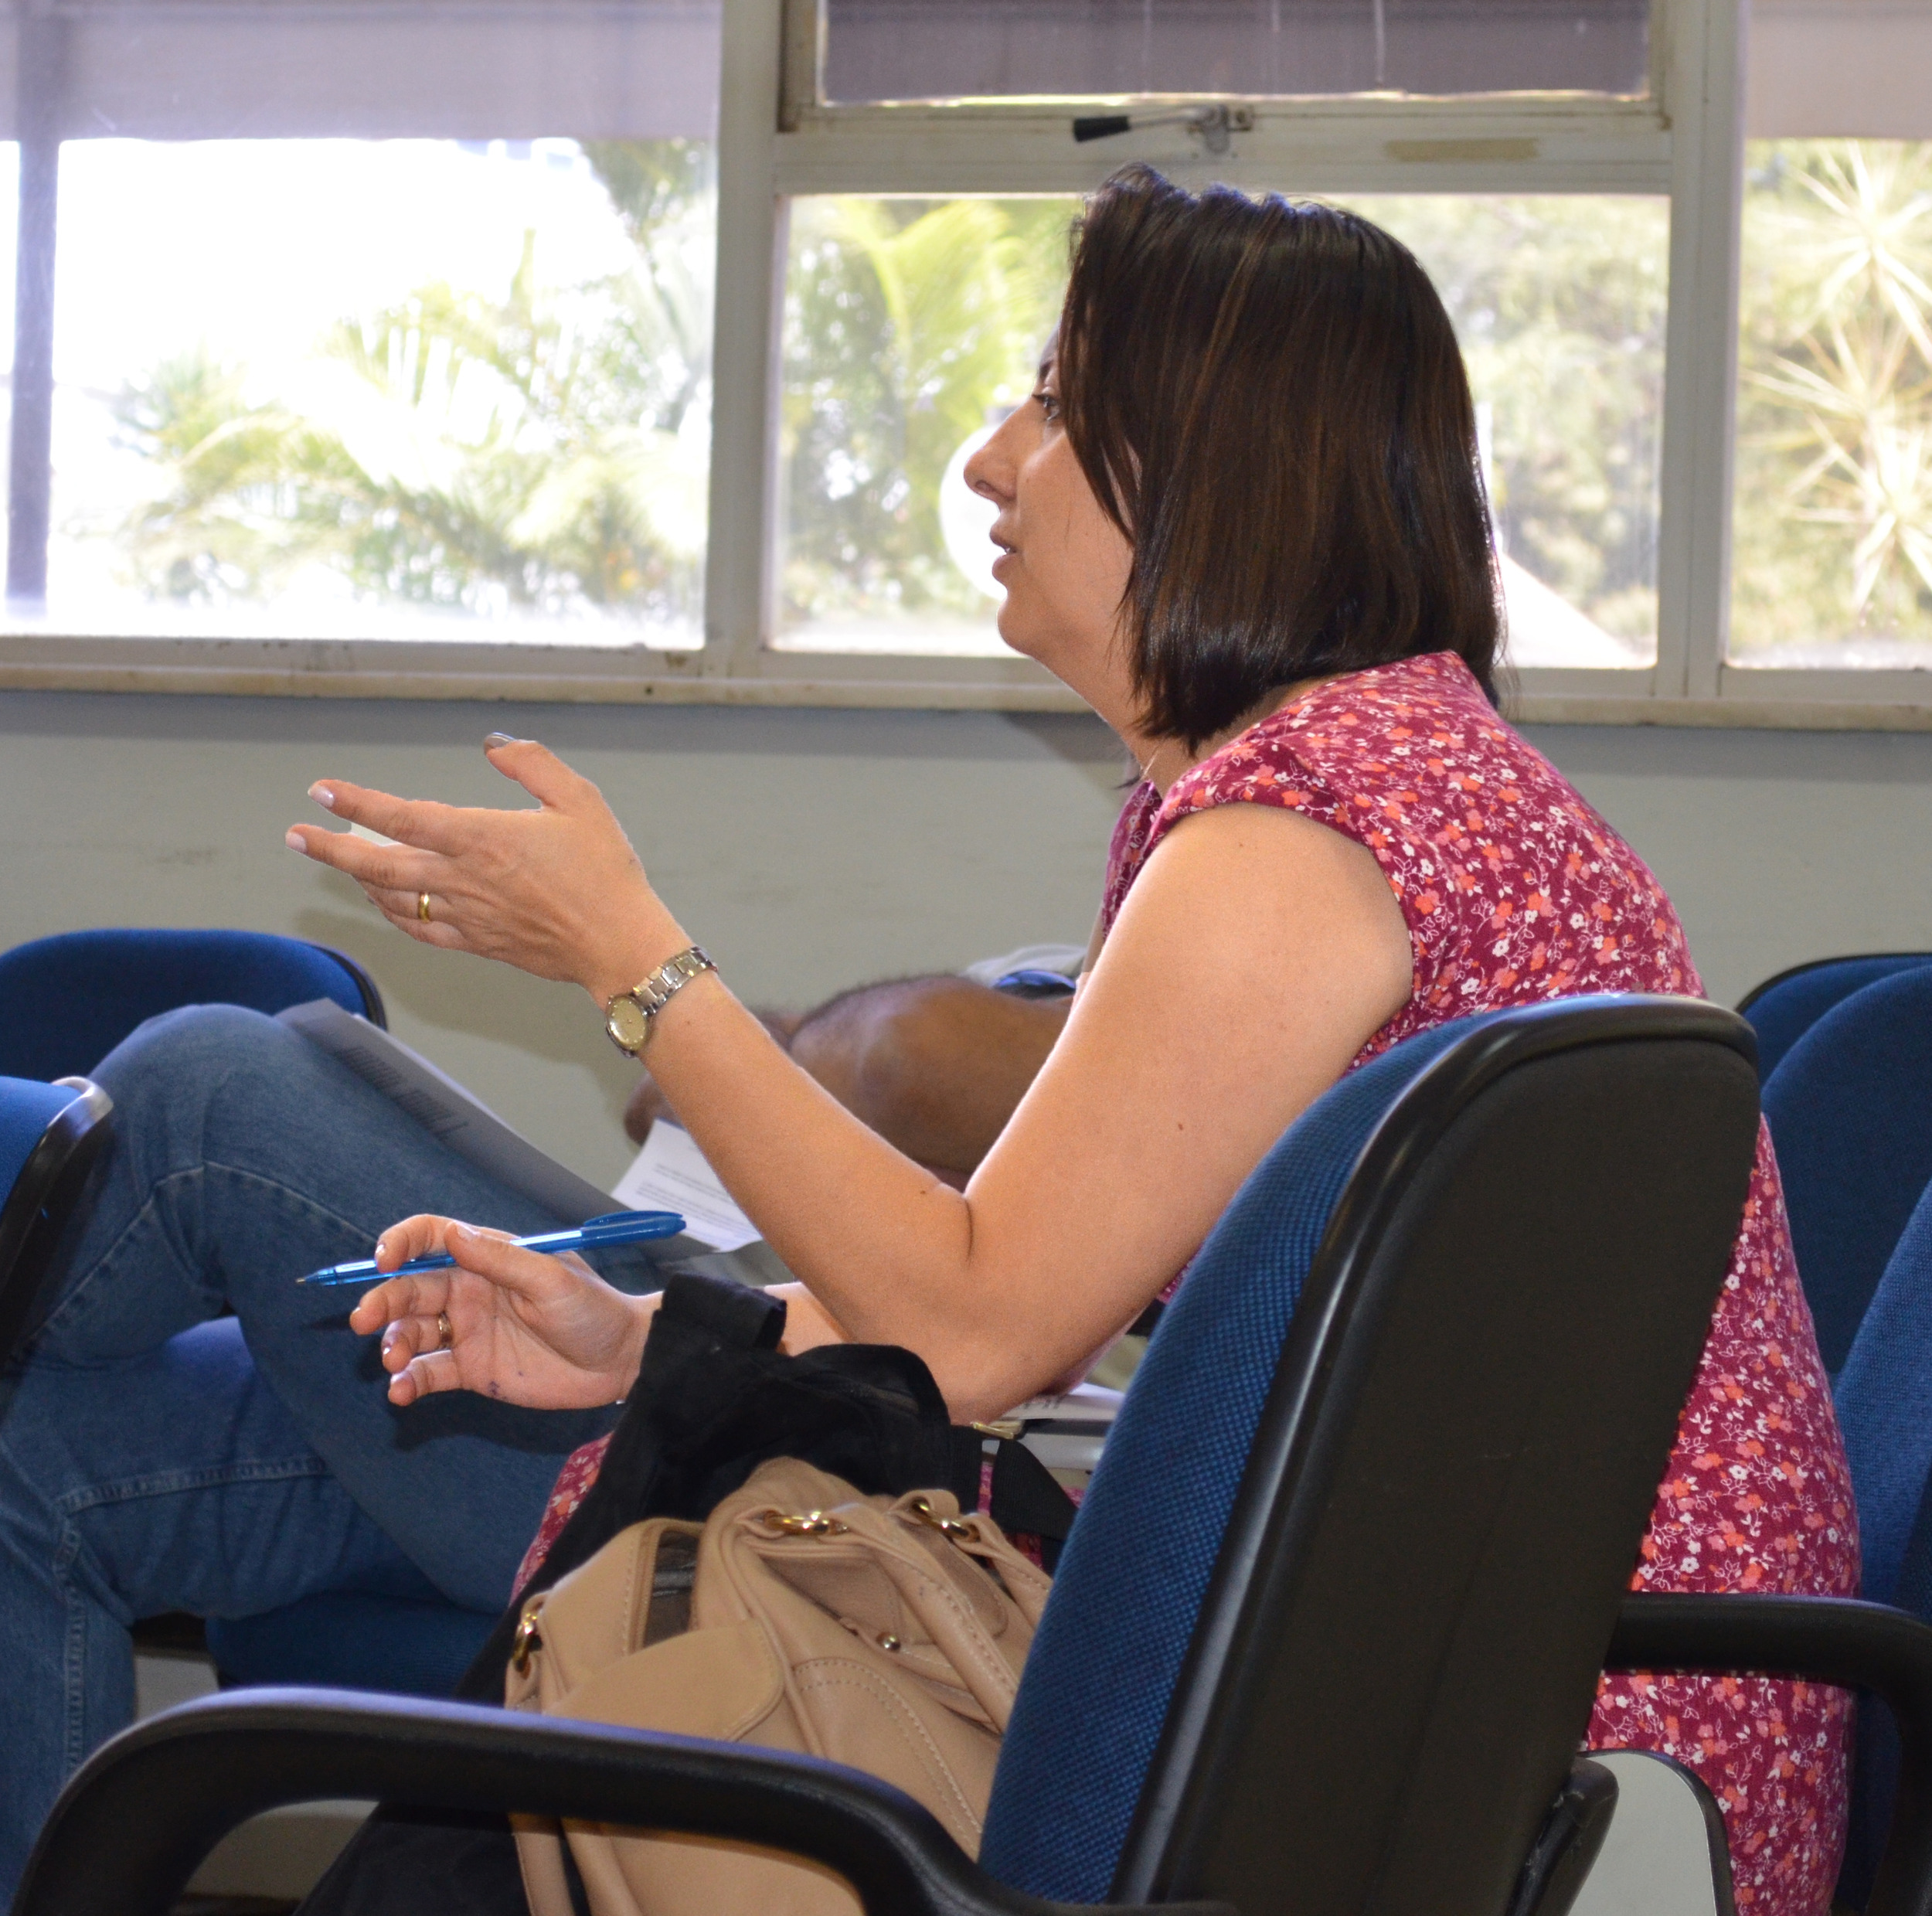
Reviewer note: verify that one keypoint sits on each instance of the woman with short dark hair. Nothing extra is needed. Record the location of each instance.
(1241, 515)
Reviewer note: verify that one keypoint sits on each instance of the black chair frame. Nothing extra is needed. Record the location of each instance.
(1885, 1653)
(1424, 1689)
(145, 1811)
(44, 1195)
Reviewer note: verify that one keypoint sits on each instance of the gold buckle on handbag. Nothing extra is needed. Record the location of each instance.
(946, 1527)
(528, 1637)
(804, 1523)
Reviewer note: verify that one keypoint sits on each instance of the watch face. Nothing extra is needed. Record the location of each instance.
(627, 1023)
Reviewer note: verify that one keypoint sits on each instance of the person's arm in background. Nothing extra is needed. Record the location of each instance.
(936, 1066)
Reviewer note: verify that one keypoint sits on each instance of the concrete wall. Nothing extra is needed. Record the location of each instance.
(809, 850)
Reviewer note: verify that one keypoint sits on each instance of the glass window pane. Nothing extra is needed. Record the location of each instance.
(910, 326)
(9, 199)
(384, 389)
(911, 322)
(1832, 528)
(1560, 302)
(928, 50)
(381, 321)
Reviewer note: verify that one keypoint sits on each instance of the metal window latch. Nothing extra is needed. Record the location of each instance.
(1214, 127)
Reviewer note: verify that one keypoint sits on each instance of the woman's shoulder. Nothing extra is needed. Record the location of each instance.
(1399, 733)
(1512, 885)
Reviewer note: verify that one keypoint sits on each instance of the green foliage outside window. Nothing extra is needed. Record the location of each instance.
(547, 450)
(908, 321)
(1559, 301)
(909, 324)
(1833, 543)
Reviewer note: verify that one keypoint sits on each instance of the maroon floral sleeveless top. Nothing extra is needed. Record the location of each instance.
(1515, 891)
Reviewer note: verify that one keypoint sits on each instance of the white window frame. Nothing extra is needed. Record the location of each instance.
(1683, 140)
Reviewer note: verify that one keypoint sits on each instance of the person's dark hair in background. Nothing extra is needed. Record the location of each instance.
(1203, 335)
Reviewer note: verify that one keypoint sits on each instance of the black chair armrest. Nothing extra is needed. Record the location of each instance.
(1834, 1640)
(134, 1822)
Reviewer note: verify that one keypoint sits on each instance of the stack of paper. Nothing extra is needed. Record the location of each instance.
(670, 1168)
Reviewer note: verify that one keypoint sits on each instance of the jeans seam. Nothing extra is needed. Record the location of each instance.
(65, 1309)
(58, 1318)
(286, 1190)
(171, 1483)
(74, 1714)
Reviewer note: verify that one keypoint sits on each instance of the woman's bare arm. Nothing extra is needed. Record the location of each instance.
(1255, 954)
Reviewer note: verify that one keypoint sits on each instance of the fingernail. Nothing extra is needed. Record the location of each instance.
(295, 840)
(322, 796)
(466, 1232)
(499, 738)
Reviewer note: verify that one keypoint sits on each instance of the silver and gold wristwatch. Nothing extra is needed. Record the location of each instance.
(629, 1017)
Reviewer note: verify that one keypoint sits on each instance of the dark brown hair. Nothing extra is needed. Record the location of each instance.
(1268, 399)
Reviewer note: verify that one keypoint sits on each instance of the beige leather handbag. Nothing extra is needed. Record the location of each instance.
(885, 1633)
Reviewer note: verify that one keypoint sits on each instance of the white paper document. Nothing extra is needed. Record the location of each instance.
(670, 1174)
(1086, 1404)
(449, 1113)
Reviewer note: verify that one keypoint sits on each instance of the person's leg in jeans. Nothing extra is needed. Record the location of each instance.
(172, 1481)
(147, 1464)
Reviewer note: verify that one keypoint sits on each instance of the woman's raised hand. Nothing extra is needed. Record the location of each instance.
(557, 891)
(521, 1327)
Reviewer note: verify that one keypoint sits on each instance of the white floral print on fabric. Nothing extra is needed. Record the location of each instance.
(1516, 891)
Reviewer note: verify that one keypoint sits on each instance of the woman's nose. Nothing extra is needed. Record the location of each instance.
(990, 471)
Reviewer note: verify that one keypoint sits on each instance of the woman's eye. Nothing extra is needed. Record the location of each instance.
(1048, 402)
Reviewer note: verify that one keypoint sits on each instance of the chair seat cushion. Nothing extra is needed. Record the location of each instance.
(351, 1640)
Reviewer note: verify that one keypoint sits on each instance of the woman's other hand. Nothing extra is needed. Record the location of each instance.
(557, 892)
(523, 1328)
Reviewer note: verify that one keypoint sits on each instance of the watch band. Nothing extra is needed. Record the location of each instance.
(629, 1017)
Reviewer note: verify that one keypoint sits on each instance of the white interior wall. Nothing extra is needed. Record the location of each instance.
(807, 850)
(811, 849)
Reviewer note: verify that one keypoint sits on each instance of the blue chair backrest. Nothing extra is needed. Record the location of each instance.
(1884, 1400)
(26, 1109)
(1783, 1008)
(1102, 1667)
(1851, 1120)
(1434, 1310)
(66, 1002)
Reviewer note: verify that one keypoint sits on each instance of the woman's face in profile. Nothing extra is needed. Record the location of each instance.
(1064, 562)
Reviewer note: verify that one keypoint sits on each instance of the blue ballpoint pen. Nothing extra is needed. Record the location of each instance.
(620, 1227)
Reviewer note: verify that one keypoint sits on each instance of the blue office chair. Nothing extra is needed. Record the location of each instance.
(50, 1136)
(1787, 1004)
(1333, 1612)
(1851, 1121)
(1883, 1397)
(66, 1002)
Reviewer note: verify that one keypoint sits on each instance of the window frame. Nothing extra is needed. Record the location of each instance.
(1683, 140)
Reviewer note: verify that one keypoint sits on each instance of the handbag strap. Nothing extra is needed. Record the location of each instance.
(1026, 1499)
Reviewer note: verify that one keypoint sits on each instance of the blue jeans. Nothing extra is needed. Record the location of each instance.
(156, 1457)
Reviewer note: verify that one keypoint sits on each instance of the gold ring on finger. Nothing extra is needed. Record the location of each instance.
(445, 1331)
(423, 906)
